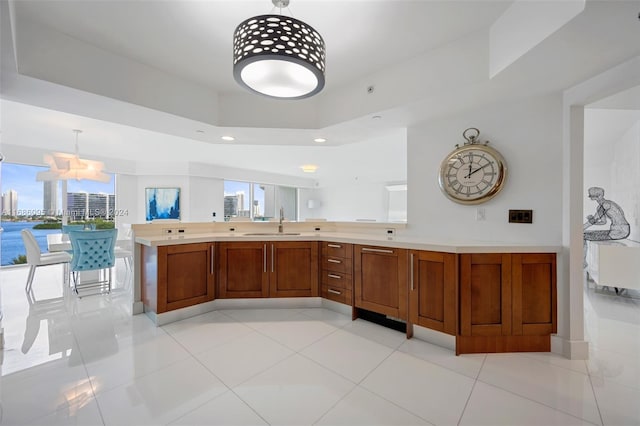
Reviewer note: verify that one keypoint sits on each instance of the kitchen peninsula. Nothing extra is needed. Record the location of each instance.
(481, 296)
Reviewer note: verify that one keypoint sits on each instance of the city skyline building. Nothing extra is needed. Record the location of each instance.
(10, 203)
(50, 198)
(230, 205)
(88, 205)
(234, 206)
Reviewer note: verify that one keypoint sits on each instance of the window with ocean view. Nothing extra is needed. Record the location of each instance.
(37, 206)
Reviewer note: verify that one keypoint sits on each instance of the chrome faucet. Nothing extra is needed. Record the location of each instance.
(280, 227)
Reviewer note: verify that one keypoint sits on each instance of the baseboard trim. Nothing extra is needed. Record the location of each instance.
(434, 337)
(137, 308)
(571, 349)
(221, 304)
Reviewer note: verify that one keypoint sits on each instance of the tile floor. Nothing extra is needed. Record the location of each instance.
(71, 361)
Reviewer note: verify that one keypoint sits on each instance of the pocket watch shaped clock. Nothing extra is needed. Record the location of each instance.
(472, 173)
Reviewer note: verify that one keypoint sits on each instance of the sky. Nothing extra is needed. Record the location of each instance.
(22, 179)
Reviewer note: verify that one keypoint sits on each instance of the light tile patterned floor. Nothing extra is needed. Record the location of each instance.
(89, 362)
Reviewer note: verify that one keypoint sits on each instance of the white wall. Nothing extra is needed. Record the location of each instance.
(207, 196)
(528, 133)
(127, 200)
(352, 201)
(619, 176)
(625, 178)
(200, 195)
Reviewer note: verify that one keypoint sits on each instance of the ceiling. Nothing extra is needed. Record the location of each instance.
(193, 39)
(156, 75)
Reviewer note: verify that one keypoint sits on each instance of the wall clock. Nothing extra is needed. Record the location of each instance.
(472, 173)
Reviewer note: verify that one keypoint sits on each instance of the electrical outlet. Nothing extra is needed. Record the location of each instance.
(168, 231)
(481, 213)
(390, 232)
(180, 231)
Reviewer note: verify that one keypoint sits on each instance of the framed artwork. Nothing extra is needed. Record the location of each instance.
(162, 203)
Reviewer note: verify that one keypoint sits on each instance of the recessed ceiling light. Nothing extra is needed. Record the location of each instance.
(320, 140)
(309, 168)
(228, 138)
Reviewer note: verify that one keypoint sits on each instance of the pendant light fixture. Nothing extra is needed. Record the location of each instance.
(70, 166)
(278, 56)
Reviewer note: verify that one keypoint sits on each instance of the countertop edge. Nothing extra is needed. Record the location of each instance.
(396, 242)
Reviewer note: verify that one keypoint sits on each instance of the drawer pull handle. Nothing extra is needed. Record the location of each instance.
(213, 257)
(411, 270)
(264, 258)
(334, 261)
(332, 291)
(334, 245)
(377, 250)
(334, 276)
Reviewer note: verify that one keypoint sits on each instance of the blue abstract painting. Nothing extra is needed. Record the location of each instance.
(162, 203)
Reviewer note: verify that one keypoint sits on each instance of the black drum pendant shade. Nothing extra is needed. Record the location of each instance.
(279, 57)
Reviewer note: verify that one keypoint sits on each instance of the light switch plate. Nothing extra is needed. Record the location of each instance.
(520, 216)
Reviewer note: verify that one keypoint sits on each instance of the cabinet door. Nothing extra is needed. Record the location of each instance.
(380, 275)
(534, 294)
(185, 275)
(243, 269)
(433, 296)
(293, 269)
(485, 294)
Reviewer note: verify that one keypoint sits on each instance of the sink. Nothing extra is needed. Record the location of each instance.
(256, 234)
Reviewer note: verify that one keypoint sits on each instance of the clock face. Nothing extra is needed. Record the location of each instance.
(472, 174)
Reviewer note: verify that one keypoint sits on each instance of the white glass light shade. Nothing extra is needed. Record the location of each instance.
(278, 56)
(278, 78)
(67, 166)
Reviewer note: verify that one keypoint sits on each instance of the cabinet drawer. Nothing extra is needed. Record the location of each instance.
(336, 250)
(337, 294)
(337, 264)
(337, 279)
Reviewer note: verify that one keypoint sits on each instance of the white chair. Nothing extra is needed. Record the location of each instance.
(124, 251)
(36, 258)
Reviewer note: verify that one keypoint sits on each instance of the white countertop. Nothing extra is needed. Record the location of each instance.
(416, 243)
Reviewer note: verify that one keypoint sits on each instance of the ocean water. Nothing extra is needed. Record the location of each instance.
(11, 240)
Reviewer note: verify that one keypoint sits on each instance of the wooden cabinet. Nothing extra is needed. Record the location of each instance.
(243, 269)
(336, 276)
(507, 302)
(380, 280)
(485, 294)
(534, 298)
(177, 276)
(268, 269)
(294, 269)
(433, 291)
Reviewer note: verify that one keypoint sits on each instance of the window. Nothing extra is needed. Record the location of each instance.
(259, 201)
(27, 203)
